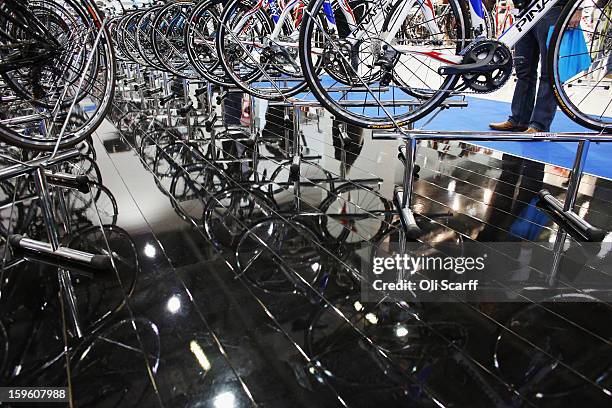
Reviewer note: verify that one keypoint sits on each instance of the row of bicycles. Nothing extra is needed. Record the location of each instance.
(374, 64)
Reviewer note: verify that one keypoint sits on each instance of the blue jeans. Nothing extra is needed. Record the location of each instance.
(526, 54)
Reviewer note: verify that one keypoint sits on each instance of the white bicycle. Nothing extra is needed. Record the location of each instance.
(400, 60)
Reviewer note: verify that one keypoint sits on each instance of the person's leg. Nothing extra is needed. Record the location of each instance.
(526, 55)
(546, 104)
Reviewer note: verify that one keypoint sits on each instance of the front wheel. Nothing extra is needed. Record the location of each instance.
(385, 82)
(580, 64)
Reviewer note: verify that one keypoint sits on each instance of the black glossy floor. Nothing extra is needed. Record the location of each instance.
(196, 313)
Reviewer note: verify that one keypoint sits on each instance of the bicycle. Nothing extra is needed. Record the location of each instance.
(401, 78)
(56, 58)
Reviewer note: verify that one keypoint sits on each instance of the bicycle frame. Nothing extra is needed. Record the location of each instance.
(373, 19)
(522, 24)
(292, 6)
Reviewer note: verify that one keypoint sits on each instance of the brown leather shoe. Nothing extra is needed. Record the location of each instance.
(533, 130)
(507, 126)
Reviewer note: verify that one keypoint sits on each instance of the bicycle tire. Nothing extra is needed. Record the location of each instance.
(68, 140)
(347, 233)
(276, 276)
(312, 74)
(564, 102)
(206, 8)
(225, 235)
(230, 12)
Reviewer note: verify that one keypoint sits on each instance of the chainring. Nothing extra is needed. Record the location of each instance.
(500, 66)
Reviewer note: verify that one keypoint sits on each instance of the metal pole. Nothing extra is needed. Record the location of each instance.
(166, 85)
(140, 90)
(188, 117)
(296, 157)
(576, 175)
(341, 135)
(65, 283)
(211, 110)
(45, 203)
(410, 155)
(288, 147)
(557, 253)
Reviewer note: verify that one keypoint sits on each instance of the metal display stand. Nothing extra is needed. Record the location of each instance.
(52, 251)
(564, 214)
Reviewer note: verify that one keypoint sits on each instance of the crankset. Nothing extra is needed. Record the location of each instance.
(486, 66)
(339, 61)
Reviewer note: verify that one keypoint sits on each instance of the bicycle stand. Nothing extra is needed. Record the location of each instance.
(562, 213)
(52, 251)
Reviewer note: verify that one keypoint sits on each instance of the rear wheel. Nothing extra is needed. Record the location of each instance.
(78, 82)
(580, 74)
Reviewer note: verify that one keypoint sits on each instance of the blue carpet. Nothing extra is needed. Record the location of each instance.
(480, 112)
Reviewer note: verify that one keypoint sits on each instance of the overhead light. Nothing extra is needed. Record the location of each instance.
(487, 195)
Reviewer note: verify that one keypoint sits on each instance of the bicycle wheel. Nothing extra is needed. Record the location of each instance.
(129, 28)
(355, 214)
(549, 350)
(143, 38)
(279, 256)
(115, 356)
(192, 186)
(168, 38)
(261, 66)
(228, 213)
(101, 296)
(200, 40)
(315, 184)
(78, 78)
(335, 339)
(581, 75)
(40, 84)
(97, 206)
(380, 75)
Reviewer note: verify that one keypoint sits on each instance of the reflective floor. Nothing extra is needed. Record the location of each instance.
(237, 284)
